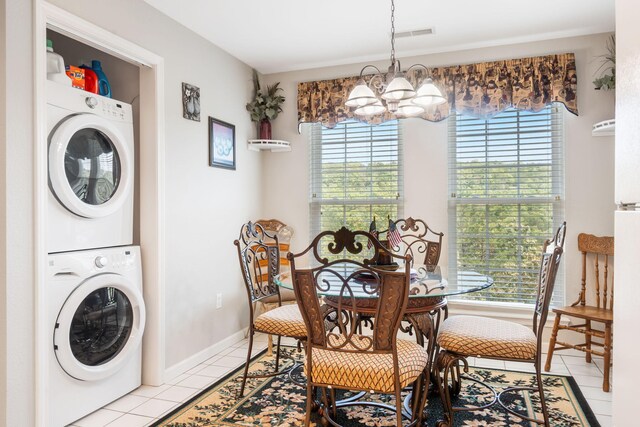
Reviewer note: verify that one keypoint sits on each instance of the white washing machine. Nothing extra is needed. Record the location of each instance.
(91, 170)
(96, 318)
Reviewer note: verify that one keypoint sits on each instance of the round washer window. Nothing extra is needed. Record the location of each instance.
(92, 166)
(101, 326)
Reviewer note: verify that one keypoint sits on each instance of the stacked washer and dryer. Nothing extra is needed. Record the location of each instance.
(96, 313)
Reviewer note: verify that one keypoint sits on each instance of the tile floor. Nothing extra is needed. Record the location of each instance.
(147, 404)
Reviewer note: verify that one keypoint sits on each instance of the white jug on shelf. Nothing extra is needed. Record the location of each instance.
(55, 66)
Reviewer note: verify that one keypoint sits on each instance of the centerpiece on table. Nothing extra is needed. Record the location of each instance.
(394, 240)
(266, 106)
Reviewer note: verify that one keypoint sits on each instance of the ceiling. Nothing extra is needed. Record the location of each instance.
(283, 35)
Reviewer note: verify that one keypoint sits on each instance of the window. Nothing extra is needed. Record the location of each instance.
(506, 197)
(356, 174)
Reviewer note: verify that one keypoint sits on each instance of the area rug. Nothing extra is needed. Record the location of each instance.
(277, 401)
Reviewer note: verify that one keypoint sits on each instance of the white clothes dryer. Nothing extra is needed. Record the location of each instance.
(91, 170)
(96, 318)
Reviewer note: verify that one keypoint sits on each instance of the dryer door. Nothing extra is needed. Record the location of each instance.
(99, 327)
(90, 166)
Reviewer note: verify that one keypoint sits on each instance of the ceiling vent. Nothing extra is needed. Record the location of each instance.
(415, 33)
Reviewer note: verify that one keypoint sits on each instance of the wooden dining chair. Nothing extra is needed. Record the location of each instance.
(595, 250)
(259, 256)
(339, 357)
(481, 337)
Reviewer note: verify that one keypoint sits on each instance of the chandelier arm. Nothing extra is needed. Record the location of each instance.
(369, 66)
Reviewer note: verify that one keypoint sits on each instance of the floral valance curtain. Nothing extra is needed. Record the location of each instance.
(479, 90)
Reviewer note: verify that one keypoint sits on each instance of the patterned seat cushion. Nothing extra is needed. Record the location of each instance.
(366, 370)
(485, 337)
(286, 321)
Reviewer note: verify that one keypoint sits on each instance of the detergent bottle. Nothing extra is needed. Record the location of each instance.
(104, 88)
(90, 79)
(55, 66)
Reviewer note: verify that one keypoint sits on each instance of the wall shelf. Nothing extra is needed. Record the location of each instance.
(604, 128)
(274, 145)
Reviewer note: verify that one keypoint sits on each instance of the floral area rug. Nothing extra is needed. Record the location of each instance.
(277, 401)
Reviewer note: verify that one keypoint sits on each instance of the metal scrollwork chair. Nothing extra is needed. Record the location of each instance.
(260, 263)
(285, 296)
(339, 357)
(595, 249)
(418, 240)
(464, 336)
(424, 245)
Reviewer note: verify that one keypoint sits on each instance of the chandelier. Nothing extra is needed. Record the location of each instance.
(391, 91)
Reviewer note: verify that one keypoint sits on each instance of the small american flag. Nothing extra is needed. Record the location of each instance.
(393, 235)
(373, 232)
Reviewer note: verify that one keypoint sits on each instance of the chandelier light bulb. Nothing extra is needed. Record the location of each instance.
(361, 95)
(428, 94)
(407, 108)
(399, 89)
(370, 110)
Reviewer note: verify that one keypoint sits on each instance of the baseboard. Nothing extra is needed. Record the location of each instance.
(193, 361)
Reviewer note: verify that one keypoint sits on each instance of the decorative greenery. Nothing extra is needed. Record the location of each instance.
(265, 105)
(607, 81)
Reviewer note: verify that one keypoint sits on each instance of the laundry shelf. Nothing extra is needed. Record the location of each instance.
(604, 128)
(273, 145)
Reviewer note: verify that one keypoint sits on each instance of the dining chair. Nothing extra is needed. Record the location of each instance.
(339, 357)
(420, 241)
(260, 263)
(481, 337)
(594, 250)
(286, 296)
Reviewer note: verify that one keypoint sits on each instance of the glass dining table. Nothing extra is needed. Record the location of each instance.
(428, 292)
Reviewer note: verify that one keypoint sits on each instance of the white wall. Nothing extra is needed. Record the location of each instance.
(626, 349)
(17, 281)
(589, 160)
(204, 206)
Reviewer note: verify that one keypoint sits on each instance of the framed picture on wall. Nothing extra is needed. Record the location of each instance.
(222, 144)
(190, 102)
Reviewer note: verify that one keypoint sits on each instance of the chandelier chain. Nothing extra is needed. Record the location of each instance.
(393, 34)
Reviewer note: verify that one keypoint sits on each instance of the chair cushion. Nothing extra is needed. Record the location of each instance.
(366, 370)
(485, 337)
(286, 321)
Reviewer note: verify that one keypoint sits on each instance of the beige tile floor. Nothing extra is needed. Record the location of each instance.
(147, 404)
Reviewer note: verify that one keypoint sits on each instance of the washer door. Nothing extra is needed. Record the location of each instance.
(90, 166)
(99, 327)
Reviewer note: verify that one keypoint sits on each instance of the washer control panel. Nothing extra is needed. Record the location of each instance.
(93, 261)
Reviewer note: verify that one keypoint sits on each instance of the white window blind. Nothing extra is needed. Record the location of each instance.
(356, 174)
(506, 182)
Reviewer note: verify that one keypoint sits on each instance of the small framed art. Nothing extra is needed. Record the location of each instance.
(222, 144)
(190, 102)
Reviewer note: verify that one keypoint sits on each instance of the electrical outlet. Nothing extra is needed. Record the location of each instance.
(219, 301)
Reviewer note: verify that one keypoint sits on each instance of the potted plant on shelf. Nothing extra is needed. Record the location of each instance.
(266, 106)
(607, 81)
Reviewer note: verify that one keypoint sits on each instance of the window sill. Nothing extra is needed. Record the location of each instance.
(518, 313)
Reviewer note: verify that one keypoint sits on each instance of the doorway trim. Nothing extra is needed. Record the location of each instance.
(151, 197)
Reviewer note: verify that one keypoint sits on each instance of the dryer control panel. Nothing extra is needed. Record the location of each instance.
(80, 101)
